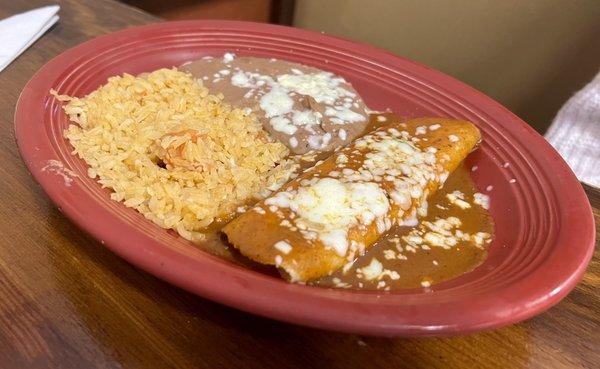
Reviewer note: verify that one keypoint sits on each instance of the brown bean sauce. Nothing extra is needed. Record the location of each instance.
(430, 266)
(415, 266)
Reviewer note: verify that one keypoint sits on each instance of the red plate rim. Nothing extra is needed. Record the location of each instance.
(418, 314)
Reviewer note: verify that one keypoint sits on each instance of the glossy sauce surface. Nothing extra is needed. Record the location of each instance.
(431, 265)
(416, 267)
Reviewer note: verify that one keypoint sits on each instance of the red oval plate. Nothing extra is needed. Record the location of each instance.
(545, 229)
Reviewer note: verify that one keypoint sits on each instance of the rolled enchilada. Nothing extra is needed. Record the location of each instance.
(332, 213)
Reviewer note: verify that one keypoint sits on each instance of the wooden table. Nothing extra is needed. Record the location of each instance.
(67, 302)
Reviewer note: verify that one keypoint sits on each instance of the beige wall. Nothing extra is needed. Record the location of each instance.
(530, 55)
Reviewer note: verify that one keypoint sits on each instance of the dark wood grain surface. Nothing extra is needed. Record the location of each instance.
(67, 302)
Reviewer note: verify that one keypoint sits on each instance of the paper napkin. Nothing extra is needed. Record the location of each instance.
(18, 32)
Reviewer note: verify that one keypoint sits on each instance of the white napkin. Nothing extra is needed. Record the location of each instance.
(18, 32)
(575, 133)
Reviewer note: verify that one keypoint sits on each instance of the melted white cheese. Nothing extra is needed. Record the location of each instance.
(278, 105)
(276, 102)
(330, 207)
(228, 57)
(283, 246)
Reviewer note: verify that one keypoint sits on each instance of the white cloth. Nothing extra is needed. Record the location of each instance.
(575, 133)
(18, 32)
